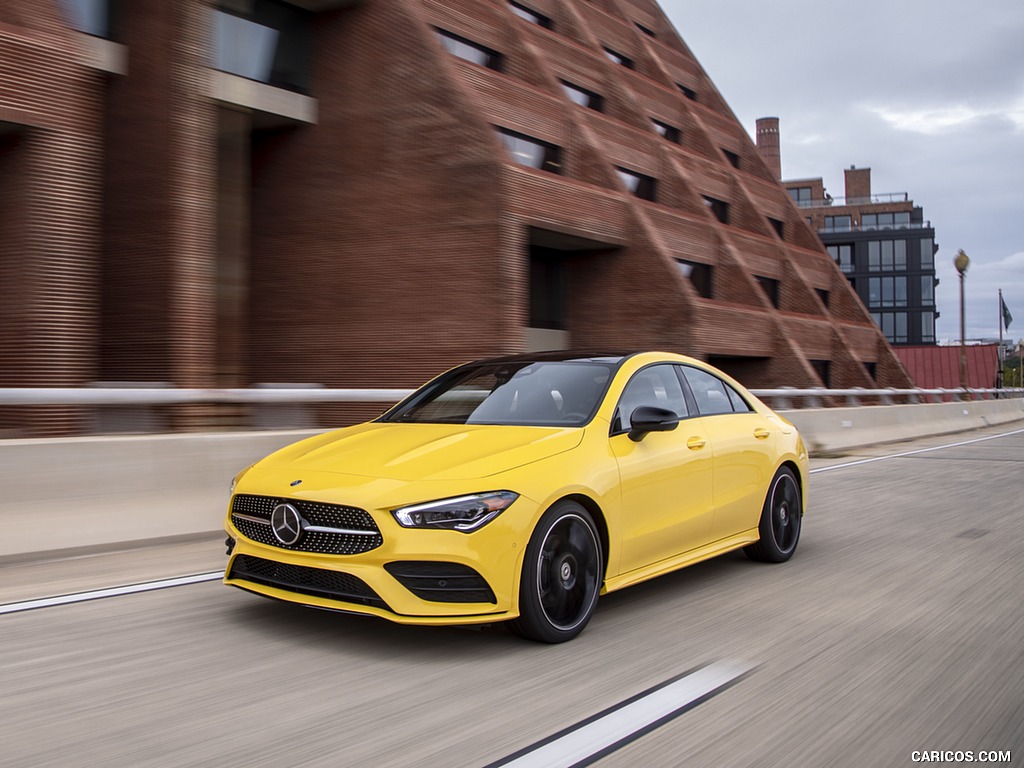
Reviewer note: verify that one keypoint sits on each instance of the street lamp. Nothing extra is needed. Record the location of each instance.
(962, 262)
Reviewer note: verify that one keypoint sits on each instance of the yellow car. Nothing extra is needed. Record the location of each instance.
(521, 488)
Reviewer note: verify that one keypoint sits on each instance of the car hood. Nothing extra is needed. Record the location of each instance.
(424, 451)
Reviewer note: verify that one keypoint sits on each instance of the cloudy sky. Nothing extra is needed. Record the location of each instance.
(927, 93)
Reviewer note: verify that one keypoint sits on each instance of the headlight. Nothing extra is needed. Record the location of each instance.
(464, 513)
(236, 478)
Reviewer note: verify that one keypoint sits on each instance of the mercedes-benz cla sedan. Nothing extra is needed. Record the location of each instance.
(521, 489)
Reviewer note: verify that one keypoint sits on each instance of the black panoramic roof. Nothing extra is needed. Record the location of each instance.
(561, 355)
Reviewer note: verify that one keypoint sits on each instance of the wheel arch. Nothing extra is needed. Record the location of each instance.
(597, 514)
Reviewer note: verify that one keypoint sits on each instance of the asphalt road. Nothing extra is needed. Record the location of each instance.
(897, 627)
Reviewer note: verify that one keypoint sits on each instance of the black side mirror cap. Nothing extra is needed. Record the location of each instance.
(648, 418)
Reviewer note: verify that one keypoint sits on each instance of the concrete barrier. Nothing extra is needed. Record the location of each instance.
(94, 492)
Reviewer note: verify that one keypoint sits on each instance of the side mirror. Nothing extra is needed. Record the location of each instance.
(648, 418)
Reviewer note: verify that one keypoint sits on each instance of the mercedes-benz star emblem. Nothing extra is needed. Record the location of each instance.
(286, 523)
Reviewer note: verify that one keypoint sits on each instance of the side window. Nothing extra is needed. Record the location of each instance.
(710, 392)
(738, 403)
(657, 385)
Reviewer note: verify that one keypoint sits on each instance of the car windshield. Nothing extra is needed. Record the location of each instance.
(562, 393)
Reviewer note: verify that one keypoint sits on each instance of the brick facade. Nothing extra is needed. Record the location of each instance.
(392, 238)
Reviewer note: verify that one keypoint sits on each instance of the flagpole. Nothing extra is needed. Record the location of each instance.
(999, 378)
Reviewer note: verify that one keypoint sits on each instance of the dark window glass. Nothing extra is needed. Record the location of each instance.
(645, 30)
(838, 223)
(824, 370)
(900, 332)
(523, 393)
(619, 58)
(900, 255)
(272, 44)
(709, 391)
(771, 288)
(900, 290)
(843, 256)
(874, 292)
(532, 152)
(530, 15)
(778, 226)
(719, 208)
(739, 405)
(698, 274)
(670, 132)
(583, 97)
(901, 220)
(89, 16)
(928, 326)
(927, 254)
(547, 290)
(468, 50)
(823, 295)
(656, 386)
(872, 369)
(732, 157)
(801, 196)
(869, 221)
(874, 255)
(687, 92)
(640, 185)
(927, 290)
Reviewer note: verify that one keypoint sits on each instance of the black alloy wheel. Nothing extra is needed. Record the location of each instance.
(781, 518)
(561, 575)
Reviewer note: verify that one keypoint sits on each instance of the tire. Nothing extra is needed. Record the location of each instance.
(781, 518)
(562, 574)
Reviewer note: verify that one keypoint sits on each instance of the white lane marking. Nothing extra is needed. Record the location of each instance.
(912, 453)
(98, 594)
(603, 733)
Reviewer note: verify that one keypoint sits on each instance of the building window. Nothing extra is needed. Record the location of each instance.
(619, 58)
(645, 30)
(823, 295)
(838, 223)
(893, 325)
(732, 157)
(778, 226)
(824, 370)
(872, 369)
(801, 196)
(843, 256)
(670, 132)
(887, 291)
(469, 51)
(687, 92)
(532, 152)
(771, 288)
(719, 208)
(271, 43)
(547, 290)
(530, 15)
(885, 220)
(583, 97)
(887, 255)
(927, 290)
(927, 253)
(927, 326)
(89, 16)
(640, 185)
(698, 274)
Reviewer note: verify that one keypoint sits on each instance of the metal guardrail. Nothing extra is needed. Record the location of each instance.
(88, 396)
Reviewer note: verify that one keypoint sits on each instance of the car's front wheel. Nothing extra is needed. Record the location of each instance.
(561, 575)
(781, 517)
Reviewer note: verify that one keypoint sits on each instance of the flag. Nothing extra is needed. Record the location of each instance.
(1007, 317)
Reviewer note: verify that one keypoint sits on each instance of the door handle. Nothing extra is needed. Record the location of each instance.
(696, 443)
(761, 434)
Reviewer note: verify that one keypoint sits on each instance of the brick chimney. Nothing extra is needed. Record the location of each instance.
(768, 144)
(858, 184)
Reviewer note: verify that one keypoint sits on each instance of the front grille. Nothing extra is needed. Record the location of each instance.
(442, 582)
(355, 533)
(316, 582)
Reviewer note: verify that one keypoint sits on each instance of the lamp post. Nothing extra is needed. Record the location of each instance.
(962, 262)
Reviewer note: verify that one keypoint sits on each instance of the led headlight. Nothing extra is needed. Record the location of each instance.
(463, 513)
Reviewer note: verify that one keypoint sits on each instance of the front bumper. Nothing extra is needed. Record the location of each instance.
(413, 576)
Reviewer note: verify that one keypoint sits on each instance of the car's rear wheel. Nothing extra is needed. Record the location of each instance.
(561, 575)
(781, 517)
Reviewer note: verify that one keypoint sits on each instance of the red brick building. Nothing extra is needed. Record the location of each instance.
(364, 192)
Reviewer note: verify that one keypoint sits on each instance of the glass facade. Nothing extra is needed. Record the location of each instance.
(89, 16)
